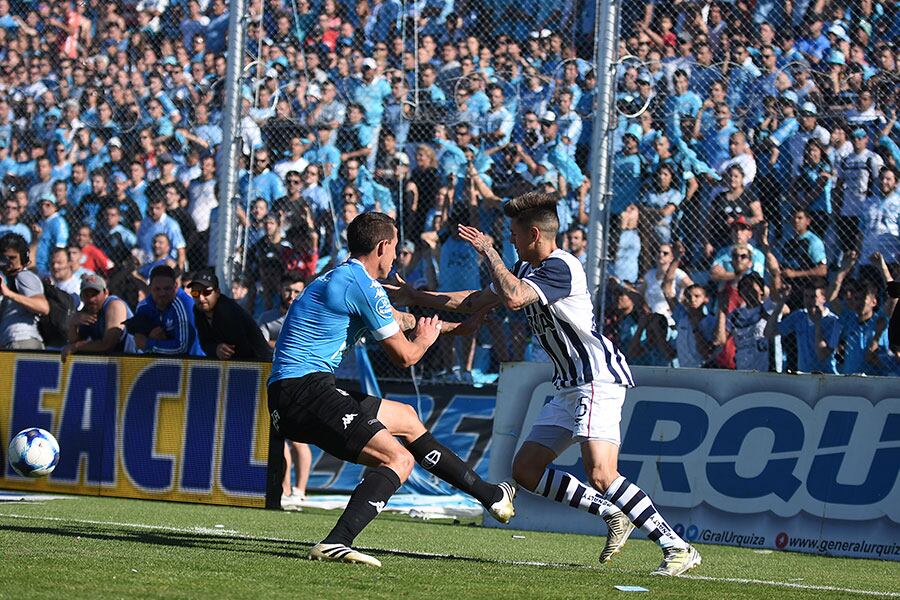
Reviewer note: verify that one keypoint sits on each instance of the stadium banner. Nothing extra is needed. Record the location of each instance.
(193, 430)
(141, 427)
(805, 463)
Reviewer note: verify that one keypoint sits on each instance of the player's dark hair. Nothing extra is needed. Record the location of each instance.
(536, 209)
(367, 230)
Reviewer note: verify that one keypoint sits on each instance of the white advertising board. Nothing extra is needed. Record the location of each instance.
(802, 463)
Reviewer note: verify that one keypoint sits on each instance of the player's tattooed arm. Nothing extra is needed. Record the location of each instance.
(405, 320)
(514, 293)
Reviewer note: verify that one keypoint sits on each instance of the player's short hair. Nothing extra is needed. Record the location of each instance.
(367, 230)
(535, 208)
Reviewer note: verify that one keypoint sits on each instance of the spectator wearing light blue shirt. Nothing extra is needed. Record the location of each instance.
(684, 101)
(265, 183)
(324, 153)
(569, 122)
(498, 122)
(11, 223)
(157, 221)
(52, 232)
(371, 92)
(817, 329)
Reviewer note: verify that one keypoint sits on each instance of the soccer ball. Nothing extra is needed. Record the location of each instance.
(34, 452)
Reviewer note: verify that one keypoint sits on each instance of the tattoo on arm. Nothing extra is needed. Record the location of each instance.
(405, 320)
(509, 287)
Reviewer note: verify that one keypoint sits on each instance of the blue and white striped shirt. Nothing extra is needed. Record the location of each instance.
(563, 322)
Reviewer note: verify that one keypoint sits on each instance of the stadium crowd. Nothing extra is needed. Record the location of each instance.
(754, 193)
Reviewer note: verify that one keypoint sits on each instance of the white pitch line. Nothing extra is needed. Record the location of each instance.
(232, 534)
(822, 588)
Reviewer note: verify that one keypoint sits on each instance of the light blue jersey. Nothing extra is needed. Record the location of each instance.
(333, 312)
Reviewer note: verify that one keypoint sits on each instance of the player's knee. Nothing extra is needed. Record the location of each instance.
(402, 463)
(601, 478)
(525, 473)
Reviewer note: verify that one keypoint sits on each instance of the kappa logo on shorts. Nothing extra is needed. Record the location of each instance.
(431, 459)
(275, 419)
(348, 418)
(379, 506)
(372, 421)
(341, 392)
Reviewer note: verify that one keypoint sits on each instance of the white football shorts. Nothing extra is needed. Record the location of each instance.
(592, 411)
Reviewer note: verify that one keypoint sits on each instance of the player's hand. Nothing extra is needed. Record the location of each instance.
(471, 325)
(428, 329)
(481, 242)
(225, 351)
(400, 292)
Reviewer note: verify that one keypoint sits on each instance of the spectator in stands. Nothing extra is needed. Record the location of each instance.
(114, 239)
(660, 206)
(857, 174)
(50, 232)
(862, 325)
(156, 222)
(817, 329)
(654, 281)
(741, 234)
(62, 275)
(92, 258)
(812, 187)
(226, 330)
(12, 222)
(736, 201)
(22, 299)
(627, 246)
(881, 220)
(163, 323)
(802, 258)
(747, 324)
(694, 326)
(100, 324)
(270, 322)
(576, 239)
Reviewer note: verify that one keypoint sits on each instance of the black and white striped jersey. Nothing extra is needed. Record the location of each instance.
(563, 322)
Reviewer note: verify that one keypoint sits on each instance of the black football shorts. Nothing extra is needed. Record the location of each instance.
(313, 410)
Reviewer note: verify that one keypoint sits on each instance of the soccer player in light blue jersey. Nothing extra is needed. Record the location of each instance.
(591, 376)
(331, 315)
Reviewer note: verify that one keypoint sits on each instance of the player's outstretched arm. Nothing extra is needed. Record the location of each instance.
(407, 352)
(467, 301)
(512, 291)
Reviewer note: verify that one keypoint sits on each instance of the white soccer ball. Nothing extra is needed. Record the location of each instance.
(33, 452)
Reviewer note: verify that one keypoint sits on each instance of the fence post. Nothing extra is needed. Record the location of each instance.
(601, 143)
(227, 160)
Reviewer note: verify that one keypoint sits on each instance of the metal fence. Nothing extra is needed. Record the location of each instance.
(725, 124)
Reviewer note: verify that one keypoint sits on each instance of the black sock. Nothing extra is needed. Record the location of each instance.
(367, 500)
(440, 460)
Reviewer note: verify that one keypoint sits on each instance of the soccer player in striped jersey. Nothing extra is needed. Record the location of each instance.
(591, 376)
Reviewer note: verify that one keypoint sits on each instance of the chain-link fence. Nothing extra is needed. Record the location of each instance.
(727, 123)
(755, 163)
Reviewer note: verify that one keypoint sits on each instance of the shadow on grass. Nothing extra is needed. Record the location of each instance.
(167, 538)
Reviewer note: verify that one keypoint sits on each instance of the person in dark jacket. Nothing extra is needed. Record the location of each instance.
(226, 330)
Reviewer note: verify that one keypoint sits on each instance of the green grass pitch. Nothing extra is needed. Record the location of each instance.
(81, 547)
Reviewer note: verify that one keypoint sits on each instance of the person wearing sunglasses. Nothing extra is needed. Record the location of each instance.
(226, 330)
